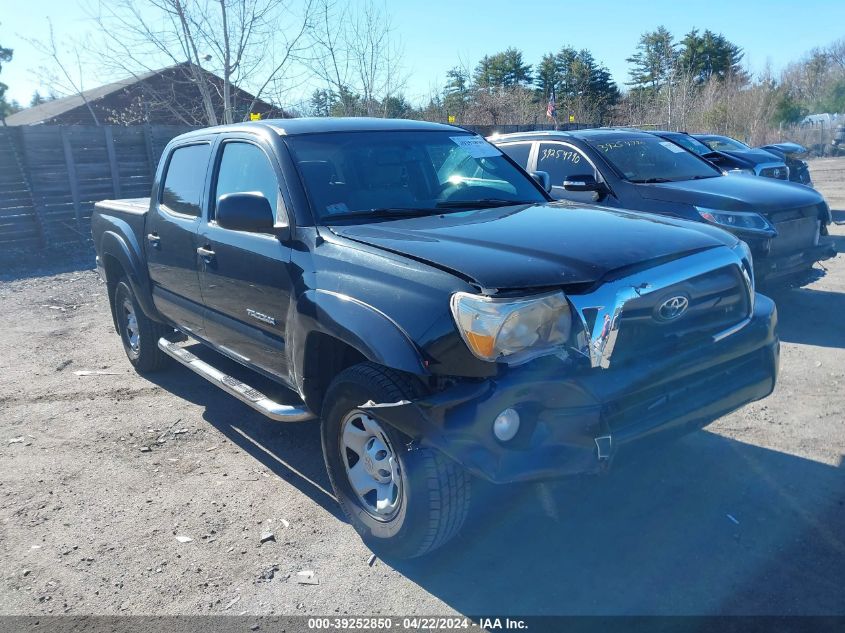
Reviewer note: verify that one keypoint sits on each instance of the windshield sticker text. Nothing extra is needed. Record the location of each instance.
(608, 147)
(672, 147)
(475, 146)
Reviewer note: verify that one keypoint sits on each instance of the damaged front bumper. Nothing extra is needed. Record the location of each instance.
(768, 268)
(576, 420)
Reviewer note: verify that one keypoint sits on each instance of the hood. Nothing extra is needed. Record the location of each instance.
(724, 161)
(533, 246)
(754, 156)
(734, 193)
(784, 148)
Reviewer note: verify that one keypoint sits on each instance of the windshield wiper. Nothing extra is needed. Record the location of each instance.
(646, 181)
(382, 212)
(482, 203)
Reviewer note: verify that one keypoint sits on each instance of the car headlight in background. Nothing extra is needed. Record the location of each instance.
(738, 220)
(740, 172)
(515, 329)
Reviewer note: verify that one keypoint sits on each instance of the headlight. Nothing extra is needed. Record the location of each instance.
(738, 221)
(512, 329)
(738, 172)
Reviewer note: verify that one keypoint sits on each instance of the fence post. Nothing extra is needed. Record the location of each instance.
(71, 175)
(148, 139)
(115, 173)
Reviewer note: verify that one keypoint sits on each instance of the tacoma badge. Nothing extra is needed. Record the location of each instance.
(261, 317)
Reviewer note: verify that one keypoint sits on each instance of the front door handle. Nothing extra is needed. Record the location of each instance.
(154, 239)
(205, 253)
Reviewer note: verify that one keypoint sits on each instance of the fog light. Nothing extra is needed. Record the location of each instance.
(506, 425)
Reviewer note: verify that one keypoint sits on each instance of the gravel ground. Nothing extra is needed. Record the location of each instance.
(102, 475)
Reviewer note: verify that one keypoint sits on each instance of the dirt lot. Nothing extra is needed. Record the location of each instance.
(99, 475)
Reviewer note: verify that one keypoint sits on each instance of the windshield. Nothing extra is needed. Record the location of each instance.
(378, 174)
(690, 143)
(653, 159)
(725, 144)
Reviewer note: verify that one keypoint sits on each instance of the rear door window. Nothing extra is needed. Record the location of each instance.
(562, 161)
(184, 180)
(518, 152)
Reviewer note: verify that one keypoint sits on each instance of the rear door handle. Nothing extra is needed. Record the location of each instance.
(154, 239)
(205, 253)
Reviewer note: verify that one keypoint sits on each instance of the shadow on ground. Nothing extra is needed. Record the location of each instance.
(804, 316)
(707, 525)
(839, 242)
(290, 450)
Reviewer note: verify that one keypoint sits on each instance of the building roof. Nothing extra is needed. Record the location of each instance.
(51, 109)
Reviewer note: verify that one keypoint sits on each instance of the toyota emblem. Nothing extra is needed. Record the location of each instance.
(673, 308)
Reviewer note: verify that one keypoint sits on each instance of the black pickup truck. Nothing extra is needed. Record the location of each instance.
(426, 299)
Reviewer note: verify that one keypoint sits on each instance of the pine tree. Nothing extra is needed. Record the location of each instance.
(654, 61)
(502, 70)
(456, 91)
(709, 55)
(546, 76)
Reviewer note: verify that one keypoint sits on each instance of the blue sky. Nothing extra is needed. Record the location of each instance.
(437, 34)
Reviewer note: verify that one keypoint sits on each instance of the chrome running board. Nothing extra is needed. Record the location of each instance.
(234, 387)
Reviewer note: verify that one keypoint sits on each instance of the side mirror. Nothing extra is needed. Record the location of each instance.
(543, 179)
(585, 182)
(248, 211)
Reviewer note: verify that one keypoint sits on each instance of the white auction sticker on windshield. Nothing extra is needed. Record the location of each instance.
(672, 147)
(475, 146)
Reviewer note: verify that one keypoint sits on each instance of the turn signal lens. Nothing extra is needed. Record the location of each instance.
(481, 344)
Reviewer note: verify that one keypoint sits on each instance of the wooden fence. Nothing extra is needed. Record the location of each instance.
(51, 176)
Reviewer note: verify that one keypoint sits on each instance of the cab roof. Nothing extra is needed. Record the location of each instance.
(315, 125)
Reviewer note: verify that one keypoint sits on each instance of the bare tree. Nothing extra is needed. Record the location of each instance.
(836, 53)
(356, 56)
(61, 77)
(251, 44)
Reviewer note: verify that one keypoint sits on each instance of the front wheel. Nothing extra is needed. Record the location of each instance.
(404, 502)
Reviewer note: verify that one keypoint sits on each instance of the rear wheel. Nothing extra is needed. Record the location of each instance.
(138, 332)
(403, 502)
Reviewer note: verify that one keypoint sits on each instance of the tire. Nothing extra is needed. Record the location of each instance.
(429, 494)
(139, 338)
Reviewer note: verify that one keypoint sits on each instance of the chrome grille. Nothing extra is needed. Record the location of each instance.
(717, 300)
(601, 312)
(781, 173)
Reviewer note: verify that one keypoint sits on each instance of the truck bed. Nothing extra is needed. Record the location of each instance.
(123, 218)
(127, 205)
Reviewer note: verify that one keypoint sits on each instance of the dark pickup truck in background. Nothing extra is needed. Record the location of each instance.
(427, 300)
(784, 224)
